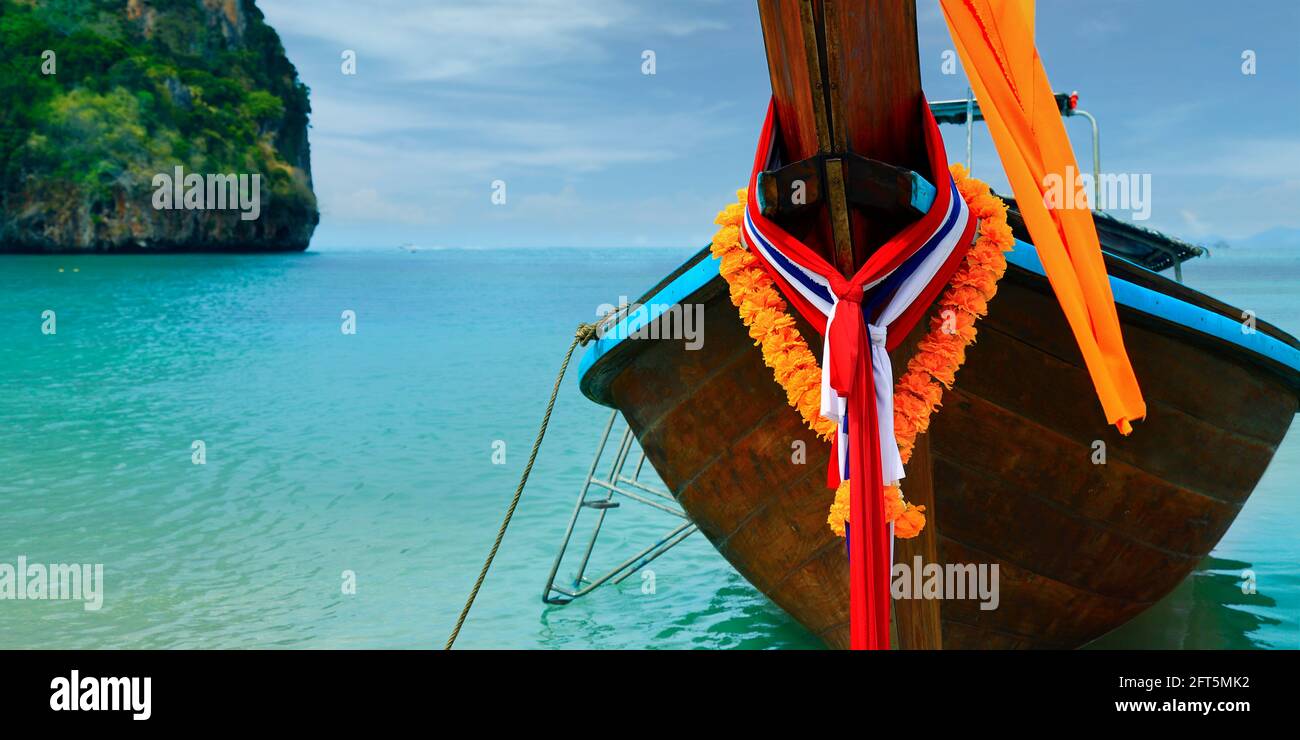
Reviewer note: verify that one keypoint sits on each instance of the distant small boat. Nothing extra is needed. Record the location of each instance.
(1082, 547)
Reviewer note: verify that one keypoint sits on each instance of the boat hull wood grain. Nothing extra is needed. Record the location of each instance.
(1081, 547)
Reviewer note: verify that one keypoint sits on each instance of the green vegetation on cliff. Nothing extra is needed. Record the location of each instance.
(139, 87)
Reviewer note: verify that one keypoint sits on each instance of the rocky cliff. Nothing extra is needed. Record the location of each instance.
(102, 100)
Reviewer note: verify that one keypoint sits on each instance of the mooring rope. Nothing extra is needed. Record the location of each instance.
(584, 334)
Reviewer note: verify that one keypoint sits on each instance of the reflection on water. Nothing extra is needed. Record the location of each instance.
(1211, 609)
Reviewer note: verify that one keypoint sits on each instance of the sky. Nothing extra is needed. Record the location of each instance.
(453, 97)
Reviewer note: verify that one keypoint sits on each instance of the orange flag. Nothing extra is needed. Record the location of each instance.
(995, 39)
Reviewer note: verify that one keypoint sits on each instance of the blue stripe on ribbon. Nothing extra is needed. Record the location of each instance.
(844, 424)
(791, 268)
(886, 289)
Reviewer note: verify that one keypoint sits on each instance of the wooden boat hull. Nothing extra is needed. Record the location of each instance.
(1081, 547)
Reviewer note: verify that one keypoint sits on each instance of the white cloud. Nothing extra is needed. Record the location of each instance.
(473, 149)
(1274, 159)
(473, 39)
(366, 204)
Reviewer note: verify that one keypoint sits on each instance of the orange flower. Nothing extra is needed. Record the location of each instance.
(839, 516)
(910, 523)
(732, 215)
(909, 405)
(922, 387)
(906, 427)
(905, 448)
(967, 299)
(894, 505)
(935, 366)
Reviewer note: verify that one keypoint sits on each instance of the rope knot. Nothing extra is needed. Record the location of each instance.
(847, 334)
(586, 333)
(846, 290)
(879, 334)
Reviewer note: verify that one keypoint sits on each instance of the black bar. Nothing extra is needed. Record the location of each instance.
(473, 689)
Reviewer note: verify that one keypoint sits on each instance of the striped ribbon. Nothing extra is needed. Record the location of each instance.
(862, 318)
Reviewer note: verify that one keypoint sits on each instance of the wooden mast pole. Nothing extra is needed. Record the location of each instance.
(846, 78)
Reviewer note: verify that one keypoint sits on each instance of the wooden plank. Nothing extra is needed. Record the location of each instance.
(918, 619)
(817, 592)
(1035, 609)
(1118, 496)
(782, 520)
(994, 516)
(1169, 444)
(726, 342)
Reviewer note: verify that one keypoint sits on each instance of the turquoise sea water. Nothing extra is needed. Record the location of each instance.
(373, 453)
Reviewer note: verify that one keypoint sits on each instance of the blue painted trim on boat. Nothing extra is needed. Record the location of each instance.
(671, 294)
(923, 193)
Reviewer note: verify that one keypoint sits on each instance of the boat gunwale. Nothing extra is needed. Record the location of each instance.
(1268, 347)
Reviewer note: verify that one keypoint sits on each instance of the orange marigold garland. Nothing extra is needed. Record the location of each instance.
(770, 324)
(919, 392)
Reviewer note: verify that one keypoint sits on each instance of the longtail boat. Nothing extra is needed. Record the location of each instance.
(1008, 468)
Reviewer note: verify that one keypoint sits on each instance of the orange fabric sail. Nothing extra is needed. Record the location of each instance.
(995, 39)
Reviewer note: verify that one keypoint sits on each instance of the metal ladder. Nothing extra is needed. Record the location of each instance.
(602, 501)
